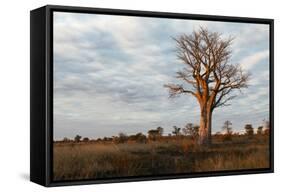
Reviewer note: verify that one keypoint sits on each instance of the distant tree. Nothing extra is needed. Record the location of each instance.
(140, 138)
(266, 131)
(65, 139)
(106, 139)
(77, 138)
(184, 130)
(176, 131)
(260, 129)
(192, 130)
(122, 138)
(86, 139)
(249, 129)
(160, 131)
(227, 127)
(153, 134)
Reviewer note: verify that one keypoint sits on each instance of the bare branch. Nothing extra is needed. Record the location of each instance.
(222, 99)
(207, 69)
(225, 101)
(186, 77)
(175, 90)
(234, 78)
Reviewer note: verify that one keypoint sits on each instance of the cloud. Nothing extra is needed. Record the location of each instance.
(250, 61)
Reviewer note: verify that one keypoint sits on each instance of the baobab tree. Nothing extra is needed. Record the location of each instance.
(207, 75)
(227, 127)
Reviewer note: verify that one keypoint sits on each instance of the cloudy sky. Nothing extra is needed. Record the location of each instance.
(109, 73)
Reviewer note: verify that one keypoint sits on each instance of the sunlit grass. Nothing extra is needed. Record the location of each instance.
(91, 160)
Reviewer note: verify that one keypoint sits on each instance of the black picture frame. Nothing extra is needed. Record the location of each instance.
(41, 92)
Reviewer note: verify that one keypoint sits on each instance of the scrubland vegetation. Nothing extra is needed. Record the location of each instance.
(155, 154)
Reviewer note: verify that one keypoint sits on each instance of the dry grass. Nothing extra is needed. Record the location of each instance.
(74, 161)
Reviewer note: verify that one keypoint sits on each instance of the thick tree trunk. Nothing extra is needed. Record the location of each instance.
(205, 126)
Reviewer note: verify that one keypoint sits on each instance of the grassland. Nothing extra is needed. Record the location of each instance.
(93, 160)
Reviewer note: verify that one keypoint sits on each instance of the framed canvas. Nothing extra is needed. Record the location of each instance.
(122, 95)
